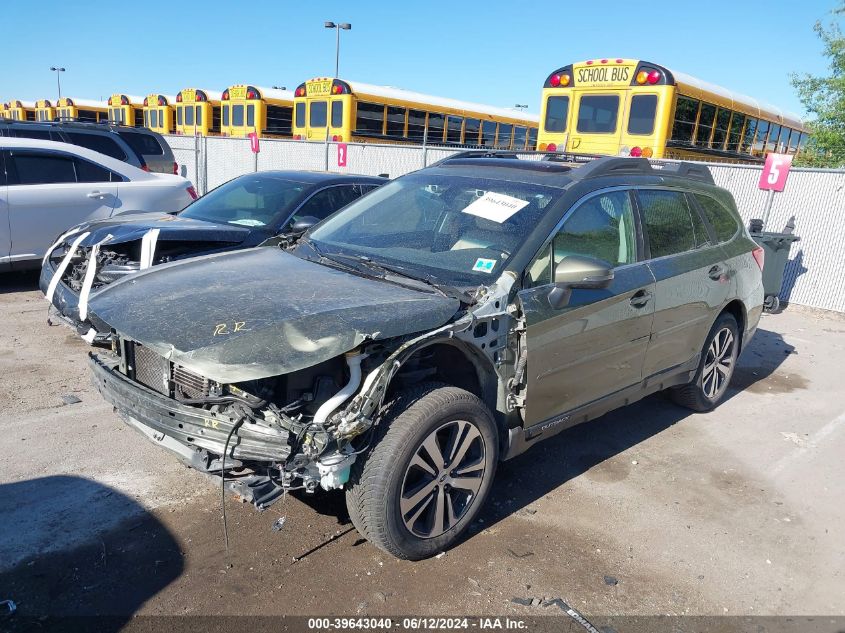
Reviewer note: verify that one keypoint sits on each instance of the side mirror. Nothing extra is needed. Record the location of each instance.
(303, 224)
(577, 271)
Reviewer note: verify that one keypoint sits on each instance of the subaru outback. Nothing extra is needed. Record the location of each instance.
(448, 320)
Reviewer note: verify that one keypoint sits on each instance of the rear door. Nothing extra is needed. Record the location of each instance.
(596, 344)
(596, 122)
(692, 281)
(48, 192)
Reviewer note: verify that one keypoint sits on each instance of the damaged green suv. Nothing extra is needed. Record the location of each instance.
(448, 320)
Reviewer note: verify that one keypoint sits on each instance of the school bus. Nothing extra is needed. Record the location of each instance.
(20, 110)
(69, 109)
(637, 108)
(198, 112)
(158, 113)
(126, 110)
(44, 110)
(351, 111)
(245, 109)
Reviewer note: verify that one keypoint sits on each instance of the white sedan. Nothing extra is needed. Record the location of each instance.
(47, 187)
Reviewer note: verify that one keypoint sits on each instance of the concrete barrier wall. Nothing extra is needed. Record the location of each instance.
(814, 275)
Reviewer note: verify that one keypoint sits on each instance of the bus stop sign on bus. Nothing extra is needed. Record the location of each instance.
(775, 172)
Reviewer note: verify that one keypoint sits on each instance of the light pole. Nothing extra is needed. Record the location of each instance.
(337, 27)
(58, 70)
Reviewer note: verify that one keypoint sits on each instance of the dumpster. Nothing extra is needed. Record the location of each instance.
(776, 247)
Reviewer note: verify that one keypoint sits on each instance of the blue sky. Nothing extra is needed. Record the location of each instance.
(496, 52)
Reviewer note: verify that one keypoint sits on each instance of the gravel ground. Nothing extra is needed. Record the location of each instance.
(648, 510)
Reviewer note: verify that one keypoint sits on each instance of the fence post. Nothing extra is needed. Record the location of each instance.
(204, 165)
(197, 159)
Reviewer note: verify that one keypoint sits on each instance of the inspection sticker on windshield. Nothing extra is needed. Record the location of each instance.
(496, 207)
(484, 265)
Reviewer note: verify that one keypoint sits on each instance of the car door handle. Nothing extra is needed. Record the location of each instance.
(640, 298)
(97, 194)
(715, 273)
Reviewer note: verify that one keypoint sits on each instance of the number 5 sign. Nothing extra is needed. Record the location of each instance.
(775, 172)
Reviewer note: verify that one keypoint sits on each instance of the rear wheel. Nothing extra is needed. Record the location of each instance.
(427, 474)
(715, 370)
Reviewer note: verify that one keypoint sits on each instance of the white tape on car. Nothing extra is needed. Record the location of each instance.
(63, 266)
(61, 239)
(90, 273)
(148, 248)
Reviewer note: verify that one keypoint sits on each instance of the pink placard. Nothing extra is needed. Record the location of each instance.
(253, 143)
(775, 172)
(341, 154)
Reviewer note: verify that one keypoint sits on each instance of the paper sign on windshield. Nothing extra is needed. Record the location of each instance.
(496, 207)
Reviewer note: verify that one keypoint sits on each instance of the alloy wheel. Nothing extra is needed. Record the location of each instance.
(718, 364)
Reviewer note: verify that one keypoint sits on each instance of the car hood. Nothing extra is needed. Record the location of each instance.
(260, 312)
(132, 226)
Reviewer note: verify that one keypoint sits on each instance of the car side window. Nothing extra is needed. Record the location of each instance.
(87, 171)
(98, 143)
(671, 225)
(601, 227)
(36, 168)
(723, 222)
(323, 203)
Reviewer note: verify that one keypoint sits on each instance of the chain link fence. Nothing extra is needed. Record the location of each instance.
(814, 276)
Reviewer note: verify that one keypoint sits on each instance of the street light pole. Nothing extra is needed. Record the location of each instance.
(337, 27)
(58, 70)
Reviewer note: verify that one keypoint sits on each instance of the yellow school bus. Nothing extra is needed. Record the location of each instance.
(158, 113)
(69, 109)
(44, 110)
(352, 111)
(126, 110)
(4, 111)
(636, 108)
(198, 112)
(20, 110)
(245, 109)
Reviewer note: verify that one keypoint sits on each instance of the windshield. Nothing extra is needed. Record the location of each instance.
(461, 230)
(251, 201)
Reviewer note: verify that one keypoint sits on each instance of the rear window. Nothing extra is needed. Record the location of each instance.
(299, 111)
(557, 111)
(722, 220)
(641, 118)
(35, 168)
(597, 114)
(317, 114)
(142, 144)
(97, 142)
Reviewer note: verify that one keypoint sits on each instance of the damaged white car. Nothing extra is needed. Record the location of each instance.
(447, 320)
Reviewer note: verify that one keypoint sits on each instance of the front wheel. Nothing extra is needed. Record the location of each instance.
(427, 474)
(715, 369)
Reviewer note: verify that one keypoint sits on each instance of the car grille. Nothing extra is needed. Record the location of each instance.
(189, 385)
(151, 369)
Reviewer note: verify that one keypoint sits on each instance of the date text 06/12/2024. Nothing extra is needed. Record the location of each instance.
(416, 624)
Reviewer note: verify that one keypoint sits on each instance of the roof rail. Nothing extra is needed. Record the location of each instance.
(617, 166)
(683, 169)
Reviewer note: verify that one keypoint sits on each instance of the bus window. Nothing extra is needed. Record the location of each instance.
(641, 118)
(792, 145)
(370, 119)
(735, 132)
(471, 129)
(198, 114)
(416, 125)
(147, 119)
(504, 138)
(299, 111)
(488, 133)
(279, 119)
(337, 113)
(250, 115)
(597, 114)
(395, 121)
(436, 125)
(519, 133)
(705, 124)
(557, 111)
(771, 144)
(782, 139)
(189, 115)
(226, 115)
(686, 110)
(454, 129)
(760, 139)
(179, 115)
(720, 134)
(802, 142)
(237, 115)
(748, 137)
(532, 138)
(152, 118)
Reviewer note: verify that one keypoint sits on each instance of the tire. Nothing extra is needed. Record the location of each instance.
(715, 369)
(396, 489)
(771, 304)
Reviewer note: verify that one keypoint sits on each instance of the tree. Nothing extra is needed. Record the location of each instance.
(824, 99)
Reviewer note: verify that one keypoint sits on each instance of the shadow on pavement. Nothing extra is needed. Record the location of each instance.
(19, 281)
(72, 549)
